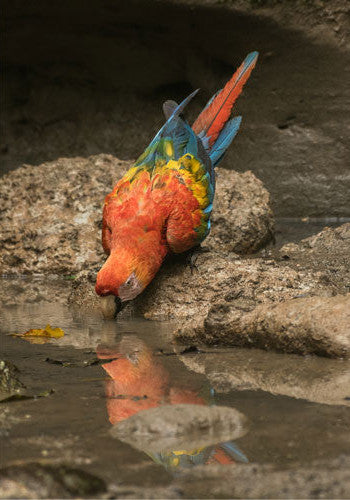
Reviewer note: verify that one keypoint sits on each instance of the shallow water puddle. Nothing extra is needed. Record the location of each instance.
(101, 374)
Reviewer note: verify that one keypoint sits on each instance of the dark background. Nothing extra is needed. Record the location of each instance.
(82, 78)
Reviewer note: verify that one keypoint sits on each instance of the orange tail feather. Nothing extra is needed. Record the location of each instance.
(214, 116)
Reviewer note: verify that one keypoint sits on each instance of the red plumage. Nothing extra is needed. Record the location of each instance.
(215, 115)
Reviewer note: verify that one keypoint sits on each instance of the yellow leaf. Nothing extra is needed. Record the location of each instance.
(47, 332)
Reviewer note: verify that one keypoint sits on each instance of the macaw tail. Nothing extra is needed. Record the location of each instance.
(213, 125)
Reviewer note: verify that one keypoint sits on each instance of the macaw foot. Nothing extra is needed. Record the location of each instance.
(192, 256)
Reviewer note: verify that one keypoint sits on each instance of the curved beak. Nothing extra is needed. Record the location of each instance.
(130, 288)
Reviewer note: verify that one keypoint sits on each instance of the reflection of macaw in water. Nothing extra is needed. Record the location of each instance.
(138, 382)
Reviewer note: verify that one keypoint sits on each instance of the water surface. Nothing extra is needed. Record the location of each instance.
(105, 371)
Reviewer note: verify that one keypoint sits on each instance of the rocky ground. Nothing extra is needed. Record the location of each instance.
(35, 480)
(55, 228)
(319, 480)
(292, 299)
(275, 301)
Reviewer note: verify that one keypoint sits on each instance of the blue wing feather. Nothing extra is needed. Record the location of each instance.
(225, 138)
(234, 452)
(173, 141)
(168, 129)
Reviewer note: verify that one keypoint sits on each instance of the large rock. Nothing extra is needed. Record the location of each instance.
(181, 426)
(328, 252)
(51, 214)
(316, 325)
(242, 219)
(10, 385)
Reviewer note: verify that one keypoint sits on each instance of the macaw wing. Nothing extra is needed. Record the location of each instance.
(176, 139)
(170, 140)
(194, 183)
(173, 139)
(178, 150)
(189, 223)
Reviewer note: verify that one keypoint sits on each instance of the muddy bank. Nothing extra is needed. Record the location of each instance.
(227, 298)
(270, 302)
(319, 480)
(328, 251)
(34, 480)
(328, 479)
(315, 325)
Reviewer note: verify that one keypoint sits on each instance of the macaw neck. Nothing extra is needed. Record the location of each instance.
(140, 248)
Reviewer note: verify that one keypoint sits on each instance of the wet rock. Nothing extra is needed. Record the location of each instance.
(242, 219)
(324, 241)
(315, 379)
(179, 293)
(256, 302)
(10, 385)
(235, 301)
(34, 480)
(316, 325)
(326, 479)
(32, 290)
(55, 227)
(181, 427)
(328, 252)
(84, 297)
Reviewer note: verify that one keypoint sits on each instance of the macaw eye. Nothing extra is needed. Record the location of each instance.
(130, 280)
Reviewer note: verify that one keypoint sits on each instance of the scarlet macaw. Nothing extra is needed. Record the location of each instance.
(163, 203)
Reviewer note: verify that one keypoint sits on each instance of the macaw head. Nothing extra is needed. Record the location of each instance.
(136, 246)
(122, 275)
(130, 267)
